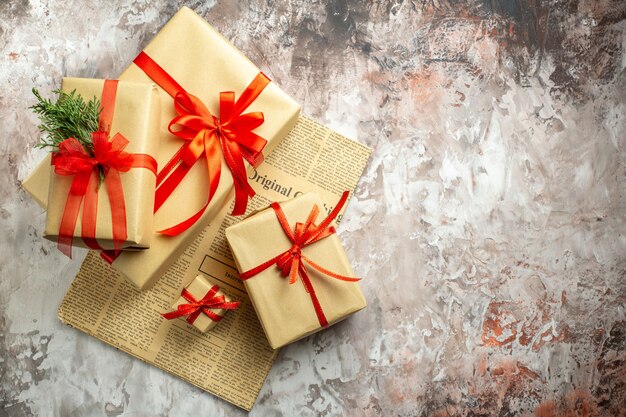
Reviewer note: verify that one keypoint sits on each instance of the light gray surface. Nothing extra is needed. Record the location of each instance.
(488, 227)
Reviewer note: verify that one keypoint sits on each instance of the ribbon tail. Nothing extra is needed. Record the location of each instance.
(293, 273)
(328, 272)
(181, 310)
(184, 225)
(139, 161)
(169, 166)
(321, 317)
(142, 160)
(167, 184)
(69, 218)
(213, 163)
(90, 212)
(230, 305)
(110, 255)
(328, 220)
(241, 200)
(118, 207)
(234, 159)
(214, 168)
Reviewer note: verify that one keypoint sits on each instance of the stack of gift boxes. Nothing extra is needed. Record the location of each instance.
(177, 136)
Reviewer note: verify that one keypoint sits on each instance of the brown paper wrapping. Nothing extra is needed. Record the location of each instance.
(198, 289)
(286, 311)
(136, 116)
(203, 63)
(37, 182)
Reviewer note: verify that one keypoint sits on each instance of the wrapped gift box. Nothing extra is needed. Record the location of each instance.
(198, 58)
(201, 304)
(136, 116)
(287, 312)
(205, 64)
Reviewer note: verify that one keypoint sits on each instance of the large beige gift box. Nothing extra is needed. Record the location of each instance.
(286, 311)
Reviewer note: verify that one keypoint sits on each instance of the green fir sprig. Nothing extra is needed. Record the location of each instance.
(69, 117)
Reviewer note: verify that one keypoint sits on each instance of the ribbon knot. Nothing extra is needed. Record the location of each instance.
(196, 307)
(110, 153)
(295, 251)
(73, 159)
(289, 260)
(218, 126)
(293, 263)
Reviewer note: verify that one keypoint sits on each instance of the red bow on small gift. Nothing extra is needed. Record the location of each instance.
(292, 262)
(109, 158)
(194, 308)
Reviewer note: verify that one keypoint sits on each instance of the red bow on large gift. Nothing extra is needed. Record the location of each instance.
(229, 135)
(109, 158)
(292, 262)
(194, 308)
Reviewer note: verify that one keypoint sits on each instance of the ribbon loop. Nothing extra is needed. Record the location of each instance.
(291, 262)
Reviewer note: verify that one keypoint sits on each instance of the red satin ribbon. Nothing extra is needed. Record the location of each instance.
(109, 156)
(292, 261)
(229, 135)
(194, 308)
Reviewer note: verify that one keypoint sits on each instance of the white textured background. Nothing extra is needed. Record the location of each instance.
(489, 225)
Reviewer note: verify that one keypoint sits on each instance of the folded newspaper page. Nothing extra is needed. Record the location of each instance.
(232, 360)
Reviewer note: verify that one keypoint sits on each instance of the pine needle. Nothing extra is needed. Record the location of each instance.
(69, 117)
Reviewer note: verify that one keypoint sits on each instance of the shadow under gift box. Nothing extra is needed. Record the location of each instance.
(204, 64)
(285, 310)
(136, 116)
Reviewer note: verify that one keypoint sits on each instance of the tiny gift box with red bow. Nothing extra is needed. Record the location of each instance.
(201, 304)
(102, 196)
(295, 269)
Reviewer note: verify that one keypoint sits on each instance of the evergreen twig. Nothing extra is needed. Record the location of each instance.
(69, 117)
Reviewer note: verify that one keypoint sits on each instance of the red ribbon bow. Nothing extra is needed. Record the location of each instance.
(292, 261)
(72, 159)
(194, 308)
(229, 135)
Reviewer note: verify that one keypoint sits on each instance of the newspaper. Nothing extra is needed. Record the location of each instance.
(232, 360)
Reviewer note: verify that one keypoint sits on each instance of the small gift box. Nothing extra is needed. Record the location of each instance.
(219, 116)
(201, 304)
(285, 244)
(101, 188)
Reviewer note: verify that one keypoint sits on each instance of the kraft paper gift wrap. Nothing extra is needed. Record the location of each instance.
(136, 116)
(37, 182)
(286, 311)
(182, 48)
(204, 64)
(198, 288)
